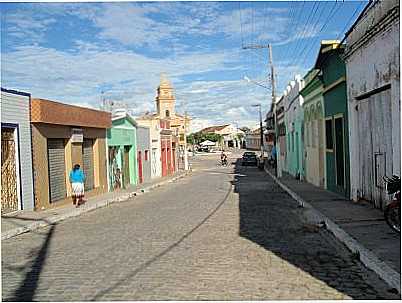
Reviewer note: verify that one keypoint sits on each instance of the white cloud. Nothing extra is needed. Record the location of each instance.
(198, 124)
(79, 74)
(79, 77)
(25, 26)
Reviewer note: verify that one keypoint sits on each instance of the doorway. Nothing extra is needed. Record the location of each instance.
(9, 183)
(126, 166)
(339, 153)
(139, 160)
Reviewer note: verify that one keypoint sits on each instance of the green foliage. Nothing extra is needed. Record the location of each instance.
(196, 138)
(245, 129)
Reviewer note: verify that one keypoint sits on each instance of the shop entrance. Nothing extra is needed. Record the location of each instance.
(9, 184)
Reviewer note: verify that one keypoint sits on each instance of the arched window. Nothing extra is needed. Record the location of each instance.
(167, 113)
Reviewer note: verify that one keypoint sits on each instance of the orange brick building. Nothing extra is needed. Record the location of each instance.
(64, 135)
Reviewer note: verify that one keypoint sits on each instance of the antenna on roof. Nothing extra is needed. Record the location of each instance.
(103, 105)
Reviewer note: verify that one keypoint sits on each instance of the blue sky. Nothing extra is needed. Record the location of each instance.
(71, 52)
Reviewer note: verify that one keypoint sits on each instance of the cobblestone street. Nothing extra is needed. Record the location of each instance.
(218, 234)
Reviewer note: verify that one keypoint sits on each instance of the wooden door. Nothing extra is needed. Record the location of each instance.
(164, 163)
(9, 195)
(339, 153)
(169, 160)
(374, 146)
(139, 160)
(153, 162)
(321, 151)
(174, 159)
(126, 167)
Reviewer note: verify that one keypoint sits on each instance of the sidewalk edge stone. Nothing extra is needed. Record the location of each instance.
(368, 258)
(87, 208)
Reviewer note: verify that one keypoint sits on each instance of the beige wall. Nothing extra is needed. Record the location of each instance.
(40, 167)
(100, 165)
(73, 155)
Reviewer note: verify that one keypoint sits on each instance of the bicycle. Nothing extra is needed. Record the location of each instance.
(392, 212)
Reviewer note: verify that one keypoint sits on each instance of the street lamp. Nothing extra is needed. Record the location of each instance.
(273, 107)
(256, 83)
(261, 134)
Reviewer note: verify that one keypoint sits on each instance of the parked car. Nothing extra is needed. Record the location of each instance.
(203, 149)
(249, 158)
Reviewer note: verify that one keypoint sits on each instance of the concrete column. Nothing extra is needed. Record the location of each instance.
(354, 167)
(69, 165)
(396, 124)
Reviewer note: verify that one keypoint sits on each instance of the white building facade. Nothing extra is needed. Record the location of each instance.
(373, 87)
(293, 102)
(16, 155)
(155, 143)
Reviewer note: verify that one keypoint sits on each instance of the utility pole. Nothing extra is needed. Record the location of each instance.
(278, 173)
(185, 142)
(261, 132)
(273, 105)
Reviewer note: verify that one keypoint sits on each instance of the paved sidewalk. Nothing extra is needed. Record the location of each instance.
(358, 225)
(25, 221)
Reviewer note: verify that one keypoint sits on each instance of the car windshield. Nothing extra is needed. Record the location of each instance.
(249, 156)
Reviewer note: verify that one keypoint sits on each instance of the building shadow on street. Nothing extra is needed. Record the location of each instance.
(271, 219)
(27, 288)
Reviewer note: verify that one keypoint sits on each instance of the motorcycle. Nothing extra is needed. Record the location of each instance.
(392, 212)
(224, 162)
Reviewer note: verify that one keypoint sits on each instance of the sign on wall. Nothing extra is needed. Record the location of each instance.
(77, 135)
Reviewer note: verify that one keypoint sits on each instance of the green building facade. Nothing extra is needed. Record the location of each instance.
(313, 128)
(122, 153)
(333, 74)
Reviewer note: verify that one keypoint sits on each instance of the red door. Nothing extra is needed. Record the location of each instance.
(169, 160)
(174, 159)
(164, 166)
(139, 160)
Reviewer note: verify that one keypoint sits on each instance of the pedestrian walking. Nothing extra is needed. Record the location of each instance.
(77, 179)
(273, 156)
(224, 158)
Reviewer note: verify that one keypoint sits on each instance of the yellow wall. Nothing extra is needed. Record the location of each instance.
(40, 165)
(73, 155)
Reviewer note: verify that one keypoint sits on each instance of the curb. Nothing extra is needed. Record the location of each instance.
(86, 208)
(369, 259)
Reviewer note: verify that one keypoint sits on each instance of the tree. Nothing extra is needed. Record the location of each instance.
(196, 138)
(190, 139)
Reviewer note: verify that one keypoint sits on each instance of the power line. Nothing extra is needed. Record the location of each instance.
(241, 26)
(303, 36)
(331, 14)
(326, 23)
(289, 48)
(350, 20)
(343, 30)
(300, 32)
(292, 14)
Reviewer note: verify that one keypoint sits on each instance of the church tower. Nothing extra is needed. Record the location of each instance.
(165, 100)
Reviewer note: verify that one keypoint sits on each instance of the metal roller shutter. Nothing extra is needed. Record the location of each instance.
(57, 179)
(88, 163)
